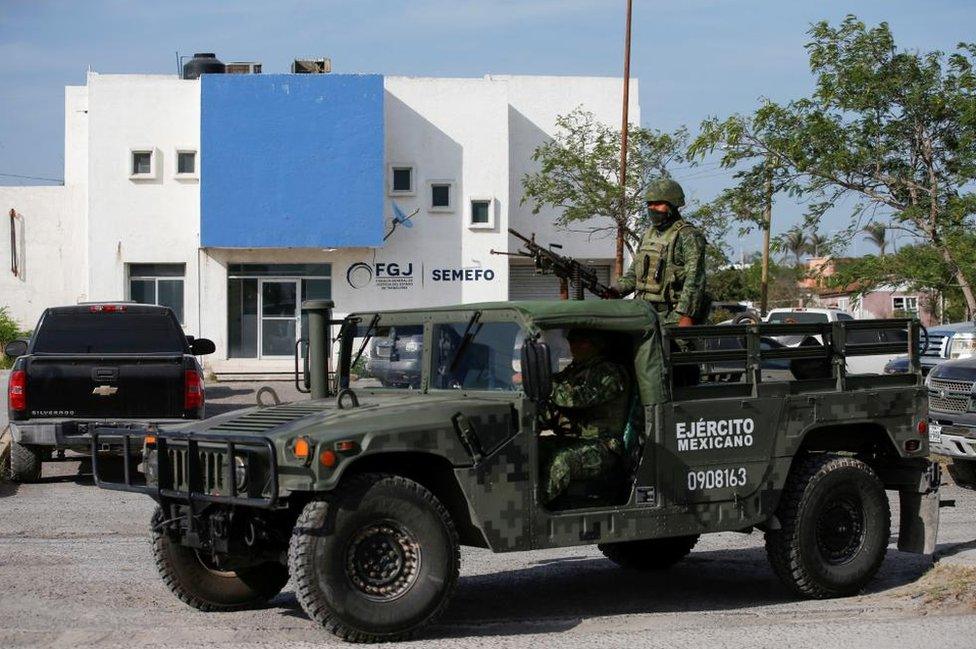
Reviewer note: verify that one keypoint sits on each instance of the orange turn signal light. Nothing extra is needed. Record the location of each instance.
(150, 440)
(328, 458)
(347, 446)
(301, 448)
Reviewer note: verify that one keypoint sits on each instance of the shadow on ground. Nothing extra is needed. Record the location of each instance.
(559, 594)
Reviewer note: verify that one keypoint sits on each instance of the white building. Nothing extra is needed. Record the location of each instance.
(234, 197)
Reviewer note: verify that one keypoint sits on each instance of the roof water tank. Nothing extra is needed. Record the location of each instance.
(203, 63)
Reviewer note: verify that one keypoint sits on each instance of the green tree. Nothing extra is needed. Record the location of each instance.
(920, 267)
(818, 245)
(794, 242)
(892, 129)
(877, 233)
(579, 174)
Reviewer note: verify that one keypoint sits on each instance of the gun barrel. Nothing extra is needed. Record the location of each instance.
(519, 235)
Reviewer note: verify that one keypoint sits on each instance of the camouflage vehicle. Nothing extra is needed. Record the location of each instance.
(363, 500)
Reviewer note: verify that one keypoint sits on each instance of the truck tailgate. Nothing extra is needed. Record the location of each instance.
(113, 387)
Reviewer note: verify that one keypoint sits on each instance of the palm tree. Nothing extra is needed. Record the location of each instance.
(817, 244)
(877, 233)
(795, 241)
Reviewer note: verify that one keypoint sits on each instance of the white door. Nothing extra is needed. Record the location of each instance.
(279, 309)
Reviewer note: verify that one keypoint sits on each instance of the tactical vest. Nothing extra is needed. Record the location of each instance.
(659, 276)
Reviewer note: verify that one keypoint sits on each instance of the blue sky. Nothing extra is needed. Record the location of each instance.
(694, 58)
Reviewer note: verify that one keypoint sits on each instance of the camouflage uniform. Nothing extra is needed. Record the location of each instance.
(592, 395)
(668, 269)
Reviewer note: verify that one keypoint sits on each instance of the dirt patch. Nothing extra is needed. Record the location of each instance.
(944, 587)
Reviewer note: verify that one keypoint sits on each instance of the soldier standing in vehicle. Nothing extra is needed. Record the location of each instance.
(591, 394)
(668, 269)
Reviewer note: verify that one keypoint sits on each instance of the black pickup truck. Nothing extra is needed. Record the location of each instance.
(96, 364)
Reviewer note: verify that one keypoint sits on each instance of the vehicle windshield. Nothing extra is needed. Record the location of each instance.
(109, 333)
(392, 356)
(474, 355)
(797, 317)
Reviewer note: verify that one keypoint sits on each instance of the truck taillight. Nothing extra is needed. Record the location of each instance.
(17, 391)
(192, 390)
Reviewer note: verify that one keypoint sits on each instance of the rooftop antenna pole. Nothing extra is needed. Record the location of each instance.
(619, 262)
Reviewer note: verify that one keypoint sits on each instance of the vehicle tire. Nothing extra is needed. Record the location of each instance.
(835, 520)
(963, 473)
(650, 554)
(205, 588)
(25, 462)
(376, 563)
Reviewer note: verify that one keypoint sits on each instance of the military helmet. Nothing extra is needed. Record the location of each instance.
(665, 190)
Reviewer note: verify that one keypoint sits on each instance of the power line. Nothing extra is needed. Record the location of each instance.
(53, 180)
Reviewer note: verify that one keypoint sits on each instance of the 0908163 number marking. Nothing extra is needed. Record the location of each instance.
(716, 478)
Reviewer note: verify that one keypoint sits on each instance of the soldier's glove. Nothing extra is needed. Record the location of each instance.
(612, 293)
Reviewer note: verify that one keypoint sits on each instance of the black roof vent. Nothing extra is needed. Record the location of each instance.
(203, 63)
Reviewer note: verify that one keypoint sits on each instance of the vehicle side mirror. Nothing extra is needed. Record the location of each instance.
(15, 348)
(201, 346)
(536, 370)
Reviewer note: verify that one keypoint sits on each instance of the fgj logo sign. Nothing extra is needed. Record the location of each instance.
(359, 275)
(385, 275)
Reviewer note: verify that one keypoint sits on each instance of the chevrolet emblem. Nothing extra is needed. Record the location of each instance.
(105, 390)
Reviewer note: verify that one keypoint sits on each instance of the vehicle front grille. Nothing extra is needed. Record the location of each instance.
(965, 387)
(213, 470)
(935, 346)
(949, 403)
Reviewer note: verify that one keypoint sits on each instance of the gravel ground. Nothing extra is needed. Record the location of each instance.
(75, 570)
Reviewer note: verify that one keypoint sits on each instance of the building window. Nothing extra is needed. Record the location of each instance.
(142, 163)
(441, 196)
(160, 284)
(186, 163)
(481, 214)
(905, 304)
(401, 179)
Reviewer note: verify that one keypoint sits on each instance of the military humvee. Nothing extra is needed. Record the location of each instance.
(363, 500)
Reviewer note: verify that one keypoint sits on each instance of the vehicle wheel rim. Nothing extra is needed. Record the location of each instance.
(840, 530)
(383, 561)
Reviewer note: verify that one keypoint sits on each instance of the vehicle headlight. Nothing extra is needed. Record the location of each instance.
(962, 346)
(928, 379)
(240, 472)
(411, 346)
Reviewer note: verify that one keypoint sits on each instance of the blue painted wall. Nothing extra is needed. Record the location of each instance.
(291, 160)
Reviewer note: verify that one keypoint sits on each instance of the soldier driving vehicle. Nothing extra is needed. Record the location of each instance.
(668, 269)
(364, 499)
(590, 396)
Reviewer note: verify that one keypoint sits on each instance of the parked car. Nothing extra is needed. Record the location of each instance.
(944, 342)
(952, 417)
(872, 364)
(395, 356)
(95, 363)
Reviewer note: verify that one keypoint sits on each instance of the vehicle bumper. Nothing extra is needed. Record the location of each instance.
(953, 434)
(72, 433)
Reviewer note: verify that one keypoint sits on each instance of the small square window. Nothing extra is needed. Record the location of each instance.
(186, 162)
(402, 179)
(141, 163)
(441, 195)
(481, 212)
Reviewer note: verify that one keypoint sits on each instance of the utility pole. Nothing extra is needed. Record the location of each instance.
(767, 226)
(619, 262)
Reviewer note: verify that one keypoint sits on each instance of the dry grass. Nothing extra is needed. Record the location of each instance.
(943, 587)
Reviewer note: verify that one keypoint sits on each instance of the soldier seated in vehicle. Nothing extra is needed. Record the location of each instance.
(589, 404)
